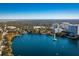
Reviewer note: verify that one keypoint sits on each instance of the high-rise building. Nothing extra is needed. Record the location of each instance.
(64, 25)
(74, 29)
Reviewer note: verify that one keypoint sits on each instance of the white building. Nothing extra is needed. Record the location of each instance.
(64, 25)
(55, 25)
(11, 27)
(37, 27)
(57, 28)
(1, 30)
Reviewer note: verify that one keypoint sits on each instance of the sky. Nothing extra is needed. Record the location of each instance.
(39, 11)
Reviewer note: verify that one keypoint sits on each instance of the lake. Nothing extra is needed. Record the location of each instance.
(44, 45)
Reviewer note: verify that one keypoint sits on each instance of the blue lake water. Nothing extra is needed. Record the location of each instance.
(44, 45)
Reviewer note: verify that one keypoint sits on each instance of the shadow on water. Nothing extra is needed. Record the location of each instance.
(74, 42)
(71, 41)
